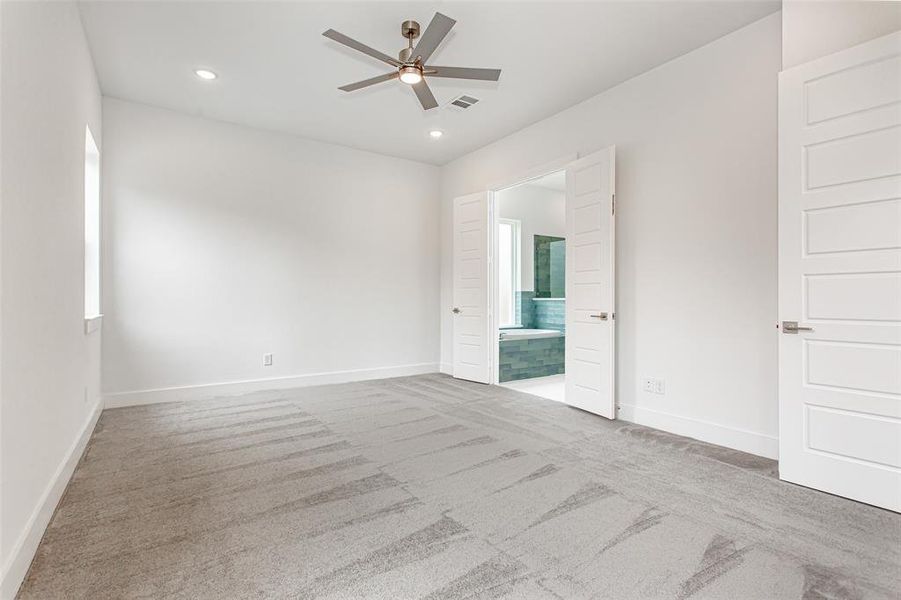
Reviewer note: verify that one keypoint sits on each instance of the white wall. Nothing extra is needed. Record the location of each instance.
(815, 28)
(49, 372)
(540, 211)
(224, 243)
(696, 231)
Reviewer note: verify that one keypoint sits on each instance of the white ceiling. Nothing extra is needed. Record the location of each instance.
(277, 72)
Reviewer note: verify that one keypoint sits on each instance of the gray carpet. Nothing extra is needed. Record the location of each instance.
(429, 487)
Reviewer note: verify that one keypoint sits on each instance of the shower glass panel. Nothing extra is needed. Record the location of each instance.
(549, 265)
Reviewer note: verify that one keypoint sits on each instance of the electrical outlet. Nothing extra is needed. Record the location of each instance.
(267, 360)
(652, 385)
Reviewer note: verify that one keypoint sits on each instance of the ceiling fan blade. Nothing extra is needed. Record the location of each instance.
(360, 47)
(425, 95)
(438, 28)
(463, 73)
(350, 87)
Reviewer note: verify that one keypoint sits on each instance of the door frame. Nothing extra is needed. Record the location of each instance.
(538, 172)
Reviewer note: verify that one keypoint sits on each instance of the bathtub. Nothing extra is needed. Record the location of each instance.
(527, 353)
(529, 334)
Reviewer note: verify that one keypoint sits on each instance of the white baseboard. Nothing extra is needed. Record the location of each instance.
(714, 433)
(16, 568)
(446, 368)
(234, 388)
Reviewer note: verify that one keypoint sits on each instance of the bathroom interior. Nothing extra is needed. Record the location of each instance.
(531, 260)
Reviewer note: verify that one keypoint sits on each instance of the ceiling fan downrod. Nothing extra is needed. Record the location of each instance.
(410, 30)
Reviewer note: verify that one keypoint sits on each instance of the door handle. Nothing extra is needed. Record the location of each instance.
(602, 316)
(456, 311)
(793, 327)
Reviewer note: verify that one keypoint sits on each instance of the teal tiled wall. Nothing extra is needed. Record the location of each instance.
(523, 359)
(525, 314)
(549, 313)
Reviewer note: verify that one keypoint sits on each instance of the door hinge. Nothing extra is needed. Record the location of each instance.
(613, 204)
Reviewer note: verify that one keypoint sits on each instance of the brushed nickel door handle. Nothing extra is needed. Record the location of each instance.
(602, 316)
(793, 327)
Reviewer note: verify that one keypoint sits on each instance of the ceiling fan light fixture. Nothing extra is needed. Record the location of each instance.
(410, 74)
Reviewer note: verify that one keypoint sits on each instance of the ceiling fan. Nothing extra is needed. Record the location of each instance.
(411, 65)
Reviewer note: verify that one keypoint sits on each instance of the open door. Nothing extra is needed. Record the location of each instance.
(472, 348)
(840, 273)
(590, 284)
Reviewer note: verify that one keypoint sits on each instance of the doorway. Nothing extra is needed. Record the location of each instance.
(530, 282)
(587, 332)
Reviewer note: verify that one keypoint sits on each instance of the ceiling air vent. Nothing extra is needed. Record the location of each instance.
(462, 102)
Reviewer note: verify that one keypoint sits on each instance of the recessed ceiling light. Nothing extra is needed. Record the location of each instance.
(205, 74)
(436, 133)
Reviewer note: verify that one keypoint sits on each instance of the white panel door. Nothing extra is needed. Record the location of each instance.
(590, 284)
(840, 273)
(472, 350)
